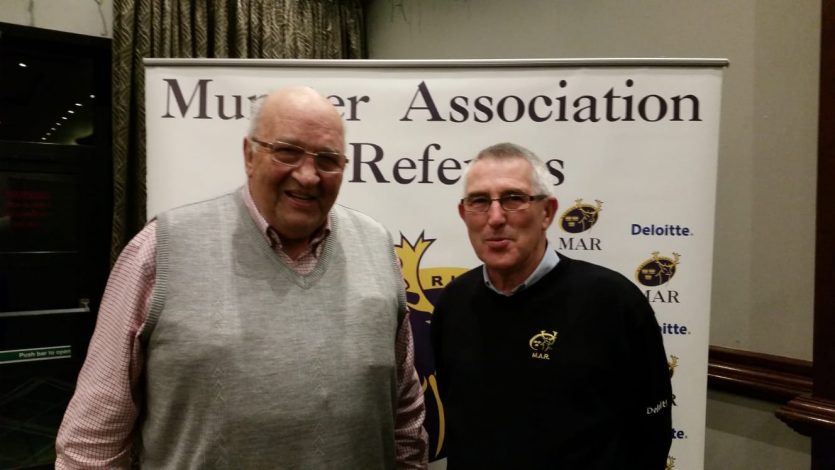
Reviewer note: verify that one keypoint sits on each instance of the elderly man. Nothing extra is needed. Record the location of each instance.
(265, 328)
(543, 361)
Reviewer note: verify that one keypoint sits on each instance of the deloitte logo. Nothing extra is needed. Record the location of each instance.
(666, 230)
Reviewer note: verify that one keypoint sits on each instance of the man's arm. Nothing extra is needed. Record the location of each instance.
(410, 437)
(99, 423)
(652, 408)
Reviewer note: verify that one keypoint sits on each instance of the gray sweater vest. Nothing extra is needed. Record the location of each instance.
(250, 365)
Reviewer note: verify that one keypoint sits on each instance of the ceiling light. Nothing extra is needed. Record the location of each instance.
(92, 96)
(64, 118)
(71, 111)
(22, 64)
(78, 104)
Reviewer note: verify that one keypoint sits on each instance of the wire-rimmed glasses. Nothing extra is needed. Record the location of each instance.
(509, 202)
(293, 155)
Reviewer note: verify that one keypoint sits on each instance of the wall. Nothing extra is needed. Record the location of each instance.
(764, 241)
(90, 17)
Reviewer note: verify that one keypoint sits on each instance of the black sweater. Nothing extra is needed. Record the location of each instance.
(597, 397)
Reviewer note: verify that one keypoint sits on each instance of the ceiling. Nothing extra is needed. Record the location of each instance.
(47, 88)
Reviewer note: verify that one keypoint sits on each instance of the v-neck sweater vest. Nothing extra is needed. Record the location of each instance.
(251, 365)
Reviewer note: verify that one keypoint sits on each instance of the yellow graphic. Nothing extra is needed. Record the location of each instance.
(580, 217)
(671, 364)
(418, 280)
(433, 384)
(541, 343)
(671, 462)
(658, 269)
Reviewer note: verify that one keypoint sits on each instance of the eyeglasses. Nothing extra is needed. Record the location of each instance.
(293, 156)
(508, 202)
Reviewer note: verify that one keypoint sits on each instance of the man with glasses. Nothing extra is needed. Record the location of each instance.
(543, 361)
(265, 328)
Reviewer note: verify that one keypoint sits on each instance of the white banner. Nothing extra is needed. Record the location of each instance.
(632, 146)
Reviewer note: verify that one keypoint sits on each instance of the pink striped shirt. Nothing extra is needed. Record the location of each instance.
(100, 421)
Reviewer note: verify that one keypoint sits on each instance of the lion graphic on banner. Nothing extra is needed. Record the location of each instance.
(423, 285)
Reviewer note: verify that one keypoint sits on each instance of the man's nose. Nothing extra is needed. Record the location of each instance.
(306, 173)
(495, 214)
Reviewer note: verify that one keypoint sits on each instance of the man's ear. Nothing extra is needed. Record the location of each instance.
(461, 210)
(248, 164)
(550, 207)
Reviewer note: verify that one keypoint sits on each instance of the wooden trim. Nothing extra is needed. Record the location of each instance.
(808, 415)
(756, 375)
(786, 381)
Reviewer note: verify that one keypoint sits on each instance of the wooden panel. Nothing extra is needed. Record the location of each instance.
(756, 375)
(809, 415)
(824, 338)
(816, 414)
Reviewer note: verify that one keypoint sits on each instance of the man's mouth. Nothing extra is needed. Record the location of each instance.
(497, 242)
(300, 196)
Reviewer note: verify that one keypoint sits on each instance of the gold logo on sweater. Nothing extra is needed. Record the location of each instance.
(541, 343)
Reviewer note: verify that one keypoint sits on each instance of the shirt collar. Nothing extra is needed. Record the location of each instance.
(549, 261)
(270, 233)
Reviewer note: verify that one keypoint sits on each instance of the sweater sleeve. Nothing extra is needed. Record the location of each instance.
(651, 398)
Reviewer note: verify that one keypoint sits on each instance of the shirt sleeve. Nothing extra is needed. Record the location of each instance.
(410, 438)
(98, 425)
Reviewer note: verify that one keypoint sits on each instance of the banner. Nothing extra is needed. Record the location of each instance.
(631, 145)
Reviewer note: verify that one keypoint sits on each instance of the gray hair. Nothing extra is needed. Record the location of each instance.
(539, 174)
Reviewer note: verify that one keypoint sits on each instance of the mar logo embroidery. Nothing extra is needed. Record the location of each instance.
(541, 343)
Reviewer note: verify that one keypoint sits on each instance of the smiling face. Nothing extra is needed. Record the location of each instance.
(294, 201)
(509, 243)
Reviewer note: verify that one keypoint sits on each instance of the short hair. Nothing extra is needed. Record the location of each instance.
(539, 176)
